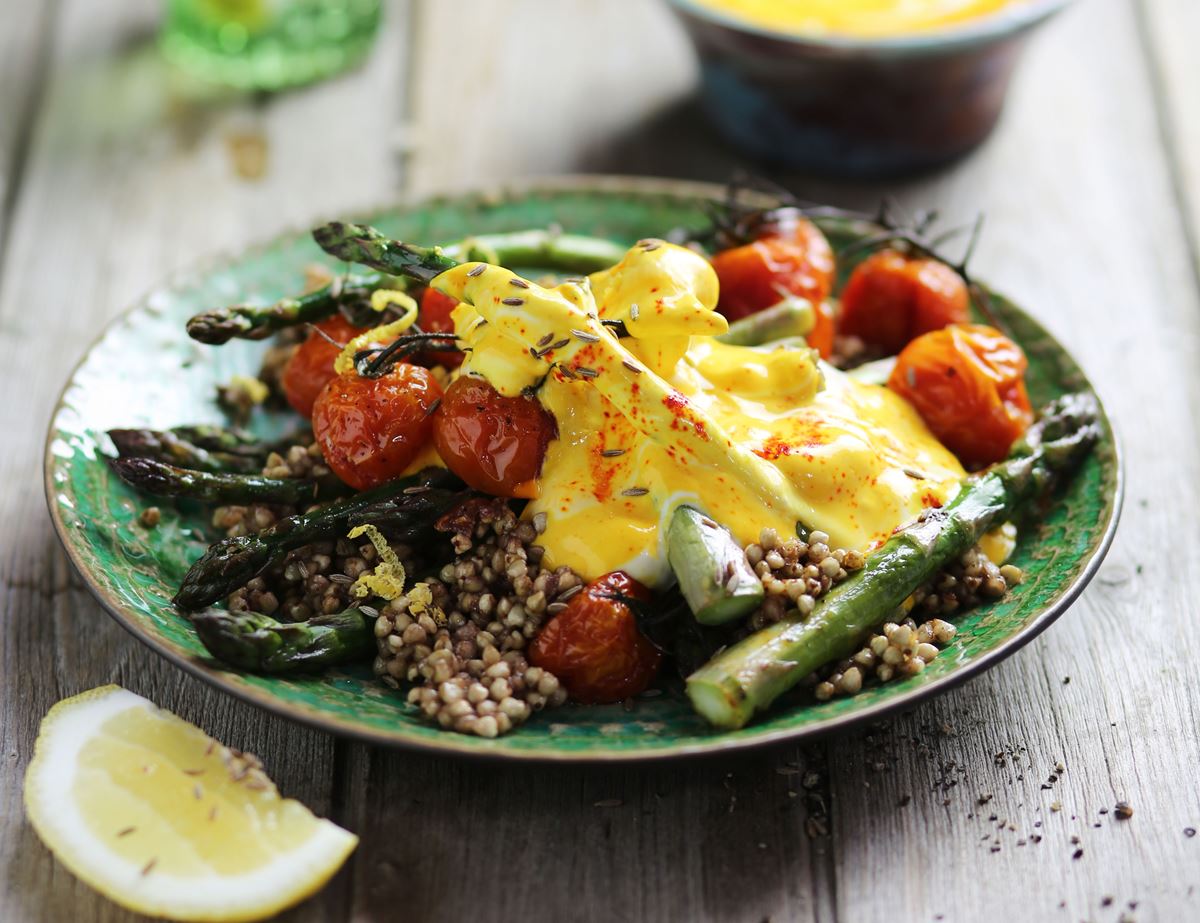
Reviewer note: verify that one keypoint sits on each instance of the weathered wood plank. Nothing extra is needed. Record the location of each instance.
(1082, 223)
(24, 48)
(1170, 28)
(721, 840)
(526, 88)
(130, 175)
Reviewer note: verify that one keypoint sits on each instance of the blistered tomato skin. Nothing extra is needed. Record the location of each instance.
(594, 646)
(967, 381)
(891, 298)
(311, 367)
(371, 429)
(795, 258)
(434, 317)
(494, 443)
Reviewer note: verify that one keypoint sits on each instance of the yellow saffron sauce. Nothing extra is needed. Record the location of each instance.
(857, 18)
(667, 415)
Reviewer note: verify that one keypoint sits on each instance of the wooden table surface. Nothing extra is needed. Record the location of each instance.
(114, 172)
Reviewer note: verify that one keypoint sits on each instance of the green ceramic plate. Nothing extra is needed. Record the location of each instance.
(145, 371)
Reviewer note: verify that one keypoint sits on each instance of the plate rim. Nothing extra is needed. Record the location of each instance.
(231, 683)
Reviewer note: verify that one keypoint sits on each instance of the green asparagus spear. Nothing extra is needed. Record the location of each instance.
(792, 317)
(567, 252)
(407, 508)
(166, 446)
(714, 576)
(163, 480)
(540, 249)
(235, 441)
(258, 643)
(356, 243)
(248, 322)
(751, 674)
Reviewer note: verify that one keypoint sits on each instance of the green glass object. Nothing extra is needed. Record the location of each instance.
(268, 44)
(134, 571)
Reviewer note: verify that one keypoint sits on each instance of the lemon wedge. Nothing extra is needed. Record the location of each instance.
(162, 819)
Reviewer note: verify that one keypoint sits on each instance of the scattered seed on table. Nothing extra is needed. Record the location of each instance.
(1123, 811)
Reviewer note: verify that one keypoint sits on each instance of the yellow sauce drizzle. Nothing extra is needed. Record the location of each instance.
(666, 415)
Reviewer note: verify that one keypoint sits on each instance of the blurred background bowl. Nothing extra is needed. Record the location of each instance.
(855, 107)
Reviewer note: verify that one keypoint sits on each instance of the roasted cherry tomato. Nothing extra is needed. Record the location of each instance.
(594, 645)
(968, 383)
(311, 367)
(795, 258)
(892, 298)
(494, 443)
(434, 317)
(371, 429)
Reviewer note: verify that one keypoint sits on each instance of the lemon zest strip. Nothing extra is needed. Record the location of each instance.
(381, 300)
(387, 579)
(420, 599)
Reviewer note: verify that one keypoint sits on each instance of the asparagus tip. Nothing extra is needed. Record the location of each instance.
(144, 474)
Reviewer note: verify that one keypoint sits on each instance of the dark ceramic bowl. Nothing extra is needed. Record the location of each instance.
(858, 107)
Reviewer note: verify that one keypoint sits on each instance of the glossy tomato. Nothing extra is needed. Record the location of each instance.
(794, 259)
(494, 443)
(371, 429)
(968, 383)
(434, 317)
(311, 367)
(595, 647)
(891, 298)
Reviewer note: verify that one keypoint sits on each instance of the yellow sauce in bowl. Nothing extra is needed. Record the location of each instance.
(857, 18)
